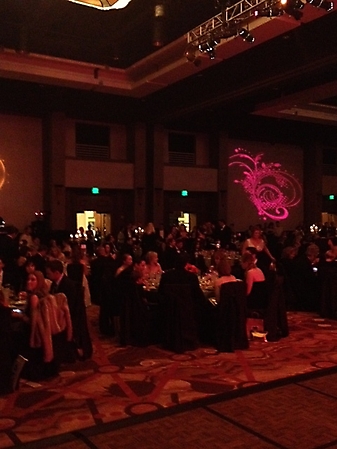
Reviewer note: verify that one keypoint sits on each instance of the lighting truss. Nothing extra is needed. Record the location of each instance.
(240, 11)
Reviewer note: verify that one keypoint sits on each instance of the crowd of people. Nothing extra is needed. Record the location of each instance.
(59, 279)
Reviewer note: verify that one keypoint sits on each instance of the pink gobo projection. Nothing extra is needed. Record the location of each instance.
(272, 190)
(2, 173)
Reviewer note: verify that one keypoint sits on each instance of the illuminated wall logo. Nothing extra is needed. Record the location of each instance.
(272, 190)
(2, 173)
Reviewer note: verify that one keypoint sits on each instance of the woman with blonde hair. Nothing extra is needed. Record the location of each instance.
(149, 239)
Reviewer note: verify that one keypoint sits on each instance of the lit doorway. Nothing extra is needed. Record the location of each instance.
(97, 222)
(187, 219)
(330, 218)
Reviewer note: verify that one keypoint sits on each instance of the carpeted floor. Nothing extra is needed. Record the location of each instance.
(149, 387)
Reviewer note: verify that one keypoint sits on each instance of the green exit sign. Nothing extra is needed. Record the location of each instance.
(184, 193)
(95, 190)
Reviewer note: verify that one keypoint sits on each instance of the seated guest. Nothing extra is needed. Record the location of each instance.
(331, 253)
(224, 271)
(62, 284)
(126, 266)
(139, 271)
(255, 283)
(152, 268)
(49, 328)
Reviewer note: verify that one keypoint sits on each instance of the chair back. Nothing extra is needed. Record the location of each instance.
(179, 321)
(231, 318)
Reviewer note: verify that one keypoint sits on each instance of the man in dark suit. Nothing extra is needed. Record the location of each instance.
(223, 234)
(38, 258)
(62, 284)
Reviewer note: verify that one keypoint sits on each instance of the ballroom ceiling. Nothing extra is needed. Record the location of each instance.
(288, 74)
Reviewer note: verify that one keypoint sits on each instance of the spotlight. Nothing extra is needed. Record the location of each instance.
(190, 53)
(208, 46)
(324, 4)
(246, 36)
(293, 7)
(211, 53)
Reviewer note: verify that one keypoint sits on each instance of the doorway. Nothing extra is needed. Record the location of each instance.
(97, 222)
(187, 219)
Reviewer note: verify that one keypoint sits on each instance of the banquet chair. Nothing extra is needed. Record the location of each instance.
(178, 318)
(230, 321)
(328, 291)
(134, 317)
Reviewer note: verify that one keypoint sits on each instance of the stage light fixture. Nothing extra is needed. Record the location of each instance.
(245, 35)
(324, 4)
(209, 45)
(190, 53)
(293, 8)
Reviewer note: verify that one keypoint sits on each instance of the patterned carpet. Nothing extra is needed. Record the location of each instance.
(119, 383)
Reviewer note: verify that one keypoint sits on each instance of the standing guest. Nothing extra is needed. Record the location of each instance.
(171, 254)
(39, 258)
(149, 239)
(264, 258)
(101, 264)
(27, 236)
(62, 284)
(77, 270)
(223, 234)
(161, 237)
(122, 280)
(304, 280)
(103, 270)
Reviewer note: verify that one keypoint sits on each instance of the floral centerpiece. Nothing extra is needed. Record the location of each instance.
(192, 268)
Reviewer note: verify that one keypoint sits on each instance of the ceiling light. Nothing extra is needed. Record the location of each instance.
(246, 36)
(324, 4)
(103, 4)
